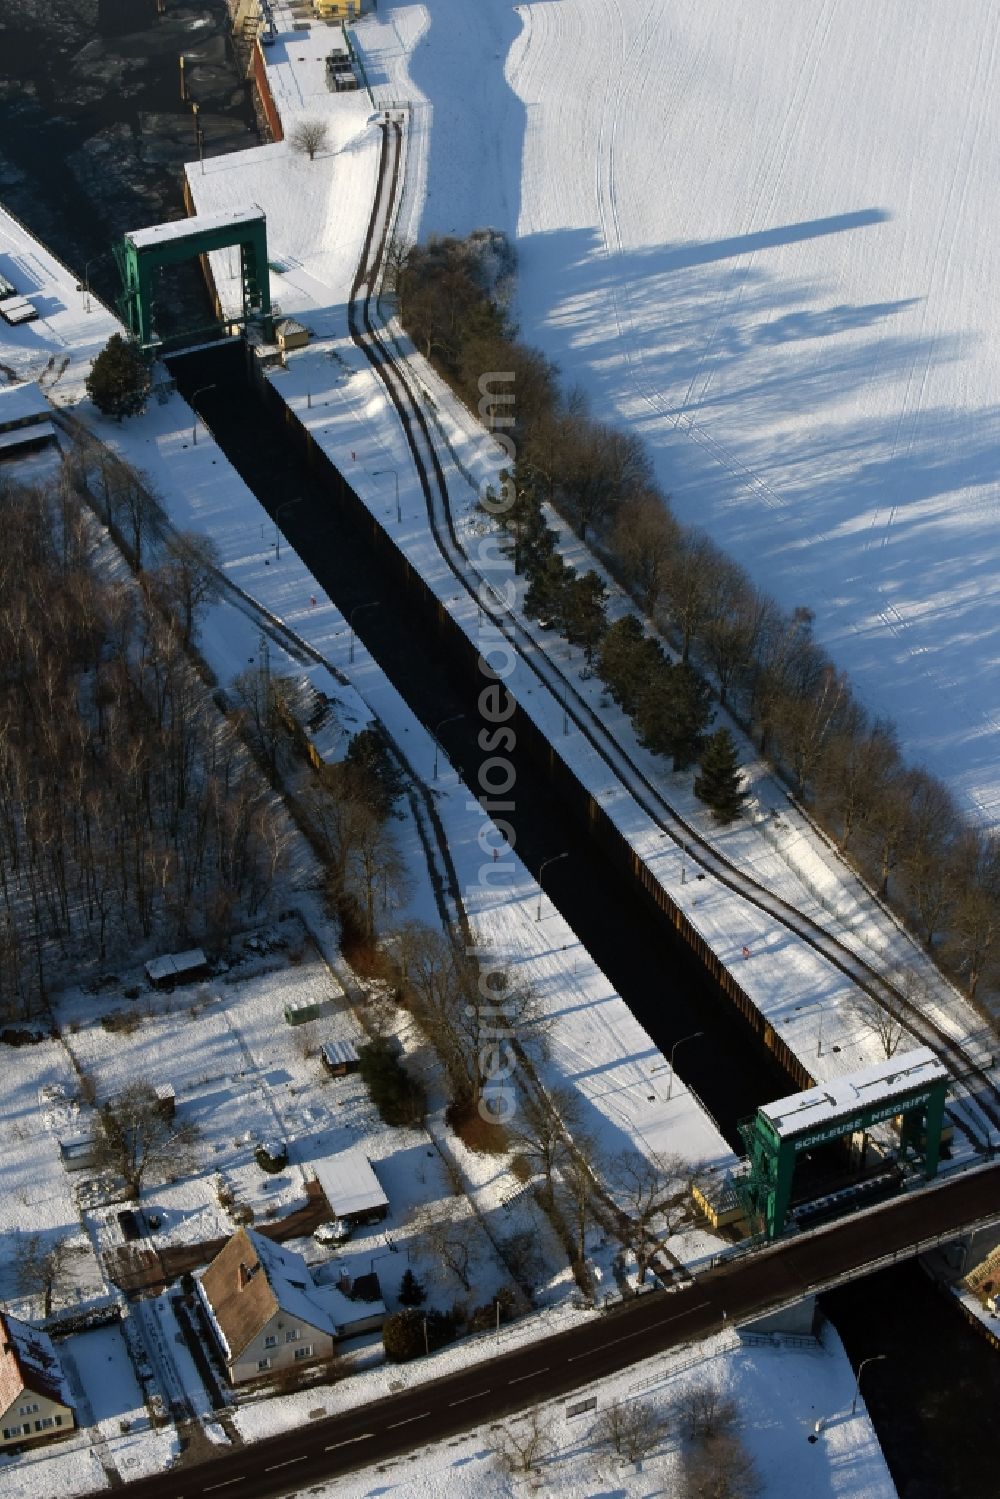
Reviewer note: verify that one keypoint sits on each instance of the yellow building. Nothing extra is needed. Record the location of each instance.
(338, 10)
(34, 1396)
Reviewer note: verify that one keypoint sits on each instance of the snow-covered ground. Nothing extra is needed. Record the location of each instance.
(72, 326)
(762, 236)
(780, 1392)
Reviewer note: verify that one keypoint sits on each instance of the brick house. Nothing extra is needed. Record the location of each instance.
(34, 1396)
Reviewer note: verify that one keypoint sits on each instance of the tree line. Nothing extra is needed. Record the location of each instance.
(130, 812)
(899, 825)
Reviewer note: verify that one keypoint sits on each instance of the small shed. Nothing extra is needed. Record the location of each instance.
(351, 1187)
(301, 1014)
(78, 1153)
(177, 968)
(166, 1101)
(719, 1200)
(290, 335)
(340, 1057)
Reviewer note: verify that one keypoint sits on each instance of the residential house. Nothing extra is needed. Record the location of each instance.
(267, 1314)
(34, 1396)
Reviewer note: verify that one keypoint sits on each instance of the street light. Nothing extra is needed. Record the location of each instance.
(819, 1037)
(199, 392)
(693, 1037)
(374, 603)
(443, 724)
(873, 1359)
(554, 859)
(285, 505)
(84, 286)
(377, 473)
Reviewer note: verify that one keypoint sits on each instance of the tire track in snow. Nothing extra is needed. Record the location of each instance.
(909, 411)
(618, 287)
(770, 182)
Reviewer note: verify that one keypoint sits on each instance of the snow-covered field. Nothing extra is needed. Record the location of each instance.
(780, 1393)
(762, 236)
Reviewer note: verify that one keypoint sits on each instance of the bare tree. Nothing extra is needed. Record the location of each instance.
(40, 1266)
(375, 866)
(702, 1412)
(720, 1468)
(645, 538)
(857, 765)
(189, 579)
(886, 1015)
(541, 1127)
(974, 937)
(464, 1006)
(134, 1136)
(309, 136)
(449, 1239)
(924, 856)
(521, 1444)
(578, 1177)
(690, 584)
(138, 509)
(632, 1429)
(656, 1198)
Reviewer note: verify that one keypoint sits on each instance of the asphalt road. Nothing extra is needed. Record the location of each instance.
(554, 1367)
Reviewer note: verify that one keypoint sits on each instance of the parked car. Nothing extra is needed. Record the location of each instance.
(334, 1231)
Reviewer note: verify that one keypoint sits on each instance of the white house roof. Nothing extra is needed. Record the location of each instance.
(291, 1282)
(161, 234)
(349, 1183)
(175, 964)
(30, 432)
(345, 1313)
(870, 1086)
(23, 402)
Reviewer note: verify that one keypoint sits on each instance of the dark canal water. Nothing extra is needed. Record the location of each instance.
(93, 130)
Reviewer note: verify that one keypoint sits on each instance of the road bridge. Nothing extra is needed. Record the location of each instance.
(734, 1288)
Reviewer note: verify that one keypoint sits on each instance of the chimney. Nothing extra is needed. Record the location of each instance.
(244, 1276)
(344, 1283)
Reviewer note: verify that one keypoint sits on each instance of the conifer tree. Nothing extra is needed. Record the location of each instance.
(719, 783)
(411, 1291)
(119, 381)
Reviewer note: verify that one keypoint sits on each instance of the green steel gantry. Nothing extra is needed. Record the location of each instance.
(144, 251)
(911, 1087)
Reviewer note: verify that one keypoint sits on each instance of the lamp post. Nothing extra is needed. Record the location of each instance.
(84, 285)
(285, 505)
(553, 859)
(693, 1037)
(194, 430)
(373, 604)
(819, 1036)
(377, 472)
(443, 724)
(199, 137)
(873, 1359)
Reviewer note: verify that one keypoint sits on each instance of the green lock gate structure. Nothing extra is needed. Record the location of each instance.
(143, 252)
(911, 1086)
